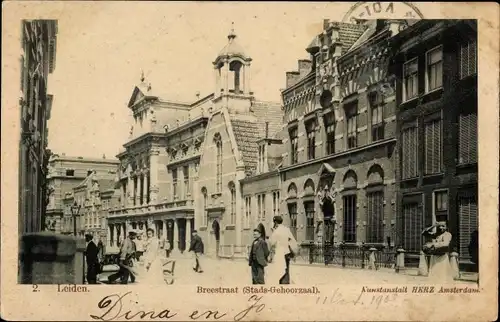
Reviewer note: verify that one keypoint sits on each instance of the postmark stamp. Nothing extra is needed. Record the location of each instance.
(365, 10)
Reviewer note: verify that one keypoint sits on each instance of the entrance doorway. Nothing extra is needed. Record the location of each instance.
(216, 230)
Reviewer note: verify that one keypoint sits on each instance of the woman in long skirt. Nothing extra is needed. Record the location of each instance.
(283, 245)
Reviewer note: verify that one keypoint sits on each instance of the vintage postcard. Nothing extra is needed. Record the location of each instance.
(236, 161)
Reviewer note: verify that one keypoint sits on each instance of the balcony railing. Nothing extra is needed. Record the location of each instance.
(146, 208)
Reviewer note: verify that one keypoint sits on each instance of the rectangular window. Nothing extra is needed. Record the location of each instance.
(259, 207)
(309, 210)
(377, 121)
(292, 212)
(349, 218)
(410, 80)
(413, 224)
(187, 187)
(174, 183)
(219, 166)
(433, 147)
(233, 206)
(70, 173)
(311, 139)
(352, 126)
(434, 71)
(375, 214)
(294, 145)
(248, 211)
(205, 210)
(330, 133)
(409, 146)
(263, 213)
(467, 221)
(261, 159)
(467, 139)
(276, 203)
(468, 59)
(440, 205)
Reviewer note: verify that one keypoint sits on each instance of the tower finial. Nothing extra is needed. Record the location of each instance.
(142, 76)
(231, 35)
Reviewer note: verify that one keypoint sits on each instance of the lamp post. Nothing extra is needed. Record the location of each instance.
(75, 210)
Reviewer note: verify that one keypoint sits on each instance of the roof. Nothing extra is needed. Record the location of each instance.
(246, 134)
(232, 48)
(349, 33)
(247, 131)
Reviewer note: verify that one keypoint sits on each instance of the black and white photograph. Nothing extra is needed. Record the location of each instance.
(164, 147)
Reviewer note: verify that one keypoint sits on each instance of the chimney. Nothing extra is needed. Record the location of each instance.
(394, 26)
(304, 67)
(292, 78)
(267, 130)
(325, 23)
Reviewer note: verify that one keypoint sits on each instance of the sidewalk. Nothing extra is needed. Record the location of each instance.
(411, 272)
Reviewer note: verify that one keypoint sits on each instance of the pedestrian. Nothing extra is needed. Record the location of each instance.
(91, 256)
(439, 248)
(197, 248)
(168, 248)
(283, 249)
(127, 252)
(153, 268)
(257, 259)
(139, 244)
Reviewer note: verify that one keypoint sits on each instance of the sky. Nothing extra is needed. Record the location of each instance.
(102, 48)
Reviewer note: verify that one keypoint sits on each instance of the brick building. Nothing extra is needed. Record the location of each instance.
(340, 120)
(38, 57)
(436, 67)
(94, 195)
(230, 152)
(66, 173)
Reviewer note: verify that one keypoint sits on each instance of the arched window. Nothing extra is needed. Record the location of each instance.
(350, 207)
(232, 189)
(205, 202)
(218, 144)
(375, 205)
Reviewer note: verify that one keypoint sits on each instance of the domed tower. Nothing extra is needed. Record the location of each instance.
(232, 72)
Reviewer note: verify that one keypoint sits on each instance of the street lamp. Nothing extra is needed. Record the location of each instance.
(75, 210)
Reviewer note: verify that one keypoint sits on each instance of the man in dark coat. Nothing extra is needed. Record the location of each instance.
(127, 252)
(198, 248)
(258, 257)
(91, 256)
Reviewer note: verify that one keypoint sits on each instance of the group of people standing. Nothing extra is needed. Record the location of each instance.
(272, 254)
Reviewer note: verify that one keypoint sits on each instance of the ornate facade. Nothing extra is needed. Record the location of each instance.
(158, 166)
(65, 173)
(337, 178)
(38, 57)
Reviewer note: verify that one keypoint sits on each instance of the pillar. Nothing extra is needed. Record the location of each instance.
(124, 225)
(226, 76)
(130, 191)
(188, 232)
(216, 81)
(165, 227)
(142, 196)
(108, 237)
(175, 239)
(154, 161)
(248, 88)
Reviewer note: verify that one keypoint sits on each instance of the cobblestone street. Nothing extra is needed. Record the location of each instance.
(227, 272)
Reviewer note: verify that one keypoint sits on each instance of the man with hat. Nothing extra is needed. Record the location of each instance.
(259, 253)
(127, 252)
(91, 257)
(198, 249)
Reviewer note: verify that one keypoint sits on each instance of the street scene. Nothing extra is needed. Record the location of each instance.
(353, 161)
